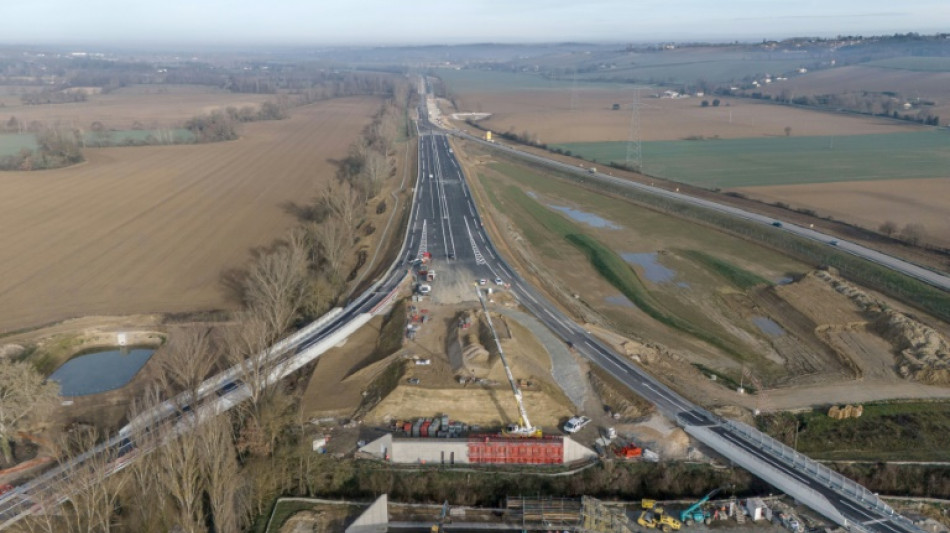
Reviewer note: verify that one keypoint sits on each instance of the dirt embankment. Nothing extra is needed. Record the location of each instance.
(923, 353)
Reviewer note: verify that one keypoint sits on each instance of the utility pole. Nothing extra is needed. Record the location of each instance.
(634, 159)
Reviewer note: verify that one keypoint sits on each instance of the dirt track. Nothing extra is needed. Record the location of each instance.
(138, 230)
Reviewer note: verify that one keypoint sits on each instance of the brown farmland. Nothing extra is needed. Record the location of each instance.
(152, 228)
(150, 106)
(548, 115)
(871, 203)
(910, 85)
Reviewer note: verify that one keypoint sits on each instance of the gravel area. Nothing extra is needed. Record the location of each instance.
(565, 369)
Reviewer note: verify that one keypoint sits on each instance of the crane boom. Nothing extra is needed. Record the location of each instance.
(525, 426)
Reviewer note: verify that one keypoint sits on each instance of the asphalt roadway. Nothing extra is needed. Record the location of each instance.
(455, 233)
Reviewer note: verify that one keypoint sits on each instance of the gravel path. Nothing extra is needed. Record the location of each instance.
(566, 370)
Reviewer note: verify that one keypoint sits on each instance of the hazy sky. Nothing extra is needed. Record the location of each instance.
(319, 22)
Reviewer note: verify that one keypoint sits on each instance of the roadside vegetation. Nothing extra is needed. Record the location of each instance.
(227, 469)
(741, 278)
(887, 431)
(615, 270)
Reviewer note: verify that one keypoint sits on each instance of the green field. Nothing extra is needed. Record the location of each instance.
(726, 163)
(462, 81)
(920, 64)
(12, 143)
(912, 431)
(138, 137)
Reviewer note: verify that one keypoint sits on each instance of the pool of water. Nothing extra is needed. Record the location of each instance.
(653, 270)
(584, 217)
(619, 299)
(768, 326)
(103, 371)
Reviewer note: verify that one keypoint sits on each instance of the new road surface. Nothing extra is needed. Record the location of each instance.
(466, 243)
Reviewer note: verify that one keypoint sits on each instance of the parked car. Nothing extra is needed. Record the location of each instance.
(483, 281)
(576, 423)
(499, 281)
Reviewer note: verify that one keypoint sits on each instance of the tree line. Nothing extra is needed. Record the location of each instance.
(225, 470)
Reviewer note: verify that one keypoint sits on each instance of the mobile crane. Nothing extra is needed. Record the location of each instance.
(523, 428)
(696, 513)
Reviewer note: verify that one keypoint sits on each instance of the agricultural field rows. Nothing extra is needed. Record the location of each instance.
(144, 229)
(727, 163)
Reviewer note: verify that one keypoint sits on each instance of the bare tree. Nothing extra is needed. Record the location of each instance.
(187, 360)
(913, 233)
(25, 398)
(277, 282)
(332, 239)
(84, 498)
(344, 203)
(375, 170)
(889, 228)
(178, 467)
(223, 481)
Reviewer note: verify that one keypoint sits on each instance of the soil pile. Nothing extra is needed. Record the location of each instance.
(924, 354)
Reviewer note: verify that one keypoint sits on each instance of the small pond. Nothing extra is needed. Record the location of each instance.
(768, 326)
(102, 371)
(619, 299)
(653, 269)
(590, 219)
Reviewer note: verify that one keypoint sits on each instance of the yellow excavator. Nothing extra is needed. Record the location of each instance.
(666, 523)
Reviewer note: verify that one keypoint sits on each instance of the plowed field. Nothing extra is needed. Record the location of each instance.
(555, 116)
(152, 228)
(152, 106)
(871, 203)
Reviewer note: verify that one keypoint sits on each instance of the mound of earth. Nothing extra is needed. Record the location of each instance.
(924, 354)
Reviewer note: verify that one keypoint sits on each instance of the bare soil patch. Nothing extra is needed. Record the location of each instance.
(870, 203)
(150, 106)
(151, 229)
(551, 116)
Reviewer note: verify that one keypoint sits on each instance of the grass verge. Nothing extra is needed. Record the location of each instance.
(739, 277)
(614, 269)
(886, 431)
(724, 379)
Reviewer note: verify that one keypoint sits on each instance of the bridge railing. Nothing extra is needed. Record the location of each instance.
(817, 471)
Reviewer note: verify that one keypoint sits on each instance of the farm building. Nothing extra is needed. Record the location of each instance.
(481, 449)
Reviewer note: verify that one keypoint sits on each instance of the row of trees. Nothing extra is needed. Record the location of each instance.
(226, 469)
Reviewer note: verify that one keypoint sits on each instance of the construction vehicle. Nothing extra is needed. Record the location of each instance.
(651, 505)
(630, 451)
(696, 513)
(523, 428)
(665, 523)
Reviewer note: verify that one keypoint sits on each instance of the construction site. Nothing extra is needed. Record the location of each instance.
(521, 513)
